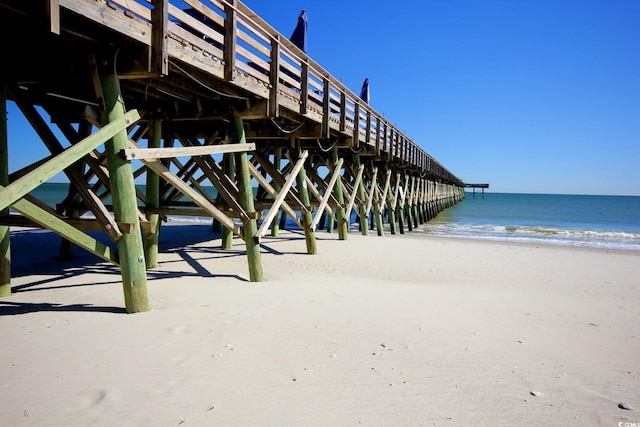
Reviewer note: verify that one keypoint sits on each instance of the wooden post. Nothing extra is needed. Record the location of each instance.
(343, 223)
(160, 37)
(246, 201)
(5, 247)
(123, 192)
(392, 208)
(277, 159)
(307, 217)
(229, 169)
(66, 246)
(377, 205)
(362, 209)
(407, 200)
(230, 39)
(153, 199)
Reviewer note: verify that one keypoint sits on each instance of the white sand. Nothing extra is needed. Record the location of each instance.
(376, 331)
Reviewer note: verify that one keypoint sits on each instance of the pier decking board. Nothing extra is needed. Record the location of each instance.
(236, 96)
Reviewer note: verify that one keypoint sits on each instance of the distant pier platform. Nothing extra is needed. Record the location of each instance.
(474, 186)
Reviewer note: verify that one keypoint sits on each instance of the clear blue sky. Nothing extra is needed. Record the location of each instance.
(530, 96)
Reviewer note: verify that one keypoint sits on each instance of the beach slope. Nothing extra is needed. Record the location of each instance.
(397, 330)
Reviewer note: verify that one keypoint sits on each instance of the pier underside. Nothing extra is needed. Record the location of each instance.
(129, 92)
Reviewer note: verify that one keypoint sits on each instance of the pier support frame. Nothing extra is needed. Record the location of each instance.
(246, 201)
(130, 247)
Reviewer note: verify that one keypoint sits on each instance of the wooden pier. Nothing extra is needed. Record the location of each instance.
(144, 92)
(474, 186)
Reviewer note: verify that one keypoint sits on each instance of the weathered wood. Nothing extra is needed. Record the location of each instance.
(325, 208)
(274, 72)
(189, 192)
(278, 177)
(55, 147)
(60, 227)
(82, 224)
(362, 210)
(374, 181)
(151, 242)
(262, 181)
(251, 240)
(230, 40)
(352, 198)
(275, 224)
(201, 150)
(283, 194)
(341, 217)
(5, 239)
(327, 195)
(160, 37)
(229, 167)
(30, 181)
(125, 207)
(307, 217)
(52, 9)
(392, 208)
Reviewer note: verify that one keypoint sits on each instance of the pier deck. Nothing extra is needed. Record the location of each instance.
(143, 91)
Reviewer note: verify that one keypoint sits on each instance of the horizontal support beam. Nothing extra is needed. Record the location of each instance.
(169, 153)
(83, 224)
(192, 194)
(58, 226)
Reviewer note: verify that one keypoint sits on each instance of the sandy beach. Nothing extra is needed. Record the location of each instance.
(394, 330)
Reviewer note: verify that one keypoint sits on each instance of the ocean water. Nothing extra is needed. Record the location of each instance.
(571, 220)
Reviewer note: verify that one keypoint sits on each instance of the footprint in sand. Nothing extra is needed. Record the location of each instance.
(91, 398)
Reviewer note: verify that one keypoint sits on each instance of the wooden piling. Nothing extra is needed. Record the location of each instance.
(229, 166)
(123, 192)
(343, 222)
(392, 206)
(362, 209)
(307, 217)
(5, 245)
(153, 199)
(246, 201)
(275, 224)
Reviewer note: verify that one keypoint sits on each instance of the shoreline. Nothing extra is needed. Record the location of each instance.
(378, 331)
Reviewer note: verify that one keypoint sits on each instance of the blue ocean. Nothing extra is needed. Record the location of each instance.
(608, 222)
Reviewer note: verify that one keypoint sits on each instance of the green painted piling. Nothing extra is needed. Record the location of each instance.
(130, 247)
(307, 217)
(246, 201)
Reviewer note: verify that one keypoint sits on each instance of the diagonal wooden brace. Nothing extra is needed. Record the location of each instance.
(196, 197)
(327, 194)
(23, 185)
(266, 223)
(58, 226)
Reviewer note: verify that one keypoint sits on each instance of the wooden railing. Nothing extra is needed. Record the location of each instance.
(228, 40)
